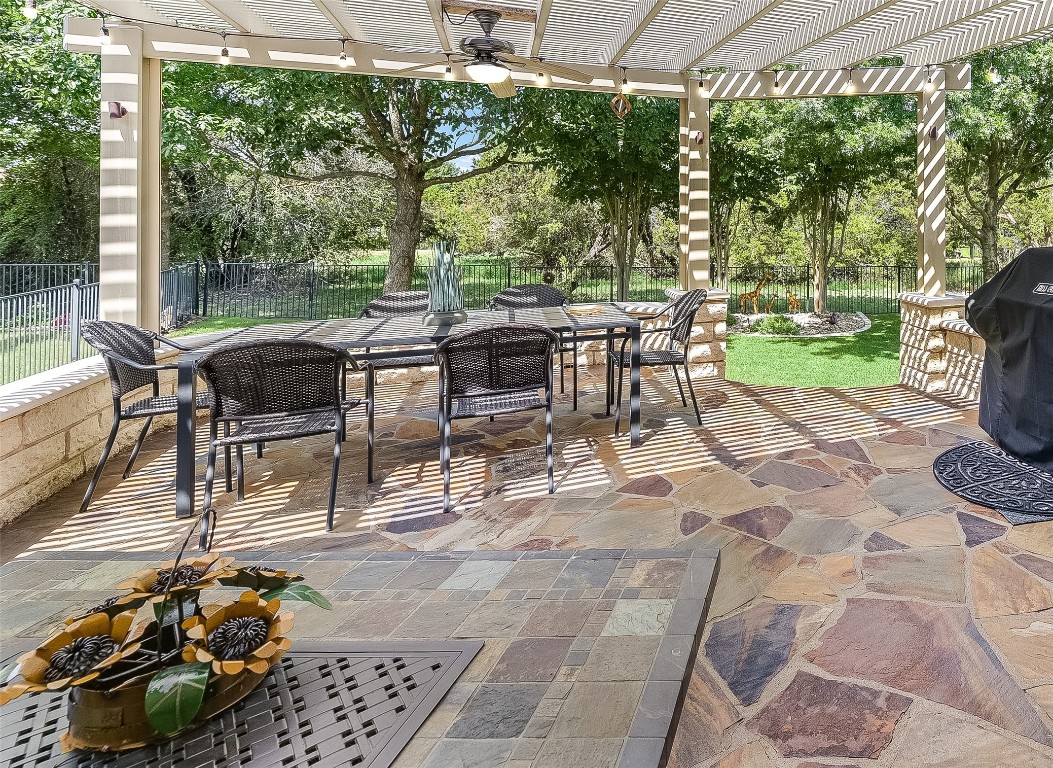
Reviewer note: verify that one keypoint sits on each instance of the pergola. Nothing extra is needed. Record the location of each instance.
(692, 51)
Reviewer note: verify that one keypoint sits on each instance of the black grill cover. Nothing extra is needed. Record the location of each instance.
(1013, 312)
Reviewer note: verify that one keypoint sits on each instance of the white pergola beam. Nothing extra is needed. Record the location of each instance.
(1025, 23)
(239, 16)
(341, 19)
(544, 8)
(741, 16)
(633, 27)
(935, 18)
(435, 9)
(833, 22)
(180, 44)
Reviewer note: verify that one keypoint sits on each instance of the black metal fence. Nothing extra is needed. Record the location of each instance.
(40, 329)
(25, 278)
(870, 288)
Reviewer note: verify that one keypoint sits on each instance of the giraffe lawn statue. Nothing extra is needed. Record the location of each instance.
(794, 304)
(752, 296)
(771, 303)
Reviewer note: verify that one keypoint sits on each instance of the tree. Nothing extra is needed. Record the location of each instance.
(832, 149)
(626, 166)
(49, 145)
(744, 167)
(408, 134)
(1001, 144)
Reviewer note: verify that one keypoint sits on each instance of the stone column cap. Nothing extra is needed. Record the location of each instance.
(921, 300)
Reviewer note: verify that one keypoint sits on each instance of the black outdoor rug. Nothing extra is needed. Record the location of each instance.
(985, 474)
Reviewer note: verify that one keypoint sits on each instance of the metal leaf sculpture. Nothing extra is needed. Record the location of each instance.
(445, 280)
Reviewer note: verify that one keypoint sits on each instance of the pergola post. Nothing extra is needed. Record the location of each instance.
(694, 189)
(932, 185)
(130, 182)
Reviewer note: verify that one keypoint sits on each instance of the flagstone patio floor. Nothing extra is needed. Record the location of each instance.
(862, 616)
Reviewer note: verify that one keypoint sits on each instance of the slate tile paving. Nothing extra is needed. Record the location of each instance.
(841, 558)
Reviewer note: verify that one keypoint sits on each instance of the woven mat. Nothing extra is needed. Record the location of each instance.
(986, 475)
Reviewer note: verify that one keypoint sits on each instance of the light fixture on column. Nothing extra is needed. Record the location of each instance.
(29, 10)
(224, 55)
(104, 33)
(703, 88)
(341, 60)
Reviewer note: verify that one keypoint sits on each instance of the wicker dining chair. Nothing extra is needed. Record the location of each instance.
(533, 295)
(131, 363)
(275, 390)
(681, 313)
(401, 304)
(494, 371)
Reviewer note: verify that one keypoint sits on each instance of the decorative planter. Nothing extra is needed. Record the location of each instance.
(445, 318)
(116, 720)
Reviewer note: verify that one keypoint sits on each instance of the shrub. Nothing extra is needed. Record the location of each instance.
(779, 325)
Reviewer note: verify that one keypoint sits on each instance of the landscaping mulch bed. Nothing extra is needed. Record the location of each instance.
(843, 324)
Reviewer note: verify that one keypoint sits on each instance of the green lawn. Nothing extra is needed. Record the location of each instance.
(213, 324)
(867, 359)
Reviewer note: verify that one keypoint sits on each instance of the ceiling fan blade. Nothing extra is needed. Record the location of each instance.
(505, 89)
(554, 70)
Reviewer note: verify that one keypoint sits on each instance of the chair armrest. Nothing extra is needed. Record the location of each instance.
(170, 343)
(142, 366)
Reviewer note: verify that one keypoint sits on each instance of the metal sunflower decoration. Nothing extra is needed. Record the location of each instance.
(173, 657)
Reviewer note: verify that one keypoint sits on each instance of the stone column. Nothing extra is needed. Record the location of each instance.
(694, 188)
(130, 182)
(922, 343)
(932, 186)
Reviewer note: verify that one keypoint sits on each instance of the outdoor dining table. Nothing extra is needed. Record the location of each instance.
(367, 336)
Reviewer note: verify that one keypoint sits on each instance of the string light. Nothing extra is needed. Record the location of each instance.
(224, 55)
(104, 33)
(850, 86)
(29, 10)
(341, 60)
(777, 90)
(448, 74)
(542, 77)
(626, 88)
(929, 85)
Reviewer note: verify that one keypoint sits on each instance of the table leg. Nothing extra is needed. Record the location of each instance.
(634, 385)
(186, 466)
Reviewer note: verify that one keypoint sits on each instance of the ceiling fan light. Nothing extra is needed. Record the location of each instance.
(448, 74)
(489, 72)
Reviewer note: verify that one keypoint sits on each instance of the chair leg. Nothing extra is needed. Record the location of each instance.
(676, 375)
(259, 450)
(138, 445)
(574, 373)
(370, 416)
(102, 462)
(204, 538)
(240, 466)
(226, 456)
(444, 461)
(332, 484)
(548, 443)
(561, 369)
(691, 389)
(610, 377)
(210, 468)
(618, 402)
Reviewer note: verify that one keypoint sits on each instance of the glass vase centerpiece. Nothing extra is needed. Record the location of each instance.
(445, 287)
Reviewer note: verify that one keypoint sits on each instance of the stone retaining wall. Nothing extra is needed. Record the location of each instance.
(939, 351)
(53, 427)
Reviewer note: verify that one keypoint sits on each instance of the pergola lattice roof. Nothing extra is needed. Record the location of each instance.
(658, 35)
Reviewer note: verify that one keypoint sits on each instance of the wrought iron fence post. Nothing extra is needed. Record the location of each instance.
(310, 290)
(204, 292)
(508, 274)
(74, 323)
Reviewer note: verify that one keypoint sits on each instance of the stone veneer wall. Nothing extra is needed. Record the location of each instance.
(53, 425)
(939, 351)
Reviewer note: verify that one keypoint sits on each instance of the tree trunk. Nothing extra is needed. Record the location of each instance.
(820, 279)
(989, 243)
(404, 231)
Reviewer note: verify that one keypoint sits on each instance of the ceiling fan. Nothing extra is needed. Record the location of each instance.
(489, 60)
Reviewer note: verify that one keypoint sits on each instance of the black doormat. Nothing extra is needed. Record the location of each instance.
(325, 705)
(985, 474)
